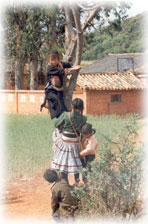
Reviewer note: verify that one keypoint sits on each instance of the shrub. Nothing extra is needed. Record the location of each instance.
(114, 185)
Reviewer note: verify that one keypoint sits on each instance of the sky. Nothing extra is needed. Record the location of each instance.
(138, 7)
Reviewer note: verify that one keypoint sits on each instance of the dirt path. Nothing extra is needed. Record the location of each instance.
(29, 198)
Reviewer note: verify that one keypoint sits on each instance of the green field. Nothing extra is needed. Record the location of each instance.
(29, 140)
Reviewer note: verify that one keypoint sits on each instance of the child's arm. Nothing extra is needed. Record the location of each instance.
(58, 89)
(54, 71)
(90, 148)
(60, 120)
(68, 70)
(54, 202)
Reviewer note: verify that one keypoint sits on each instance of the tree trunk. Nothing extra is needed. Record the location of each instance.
(76, 45)
(68, 93)
(69, 31)
(67, 38)
(19, 73)
(34, 74)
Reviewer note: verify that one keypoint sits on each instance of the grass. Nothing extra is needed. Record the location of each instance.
(29, 140)
(28, 143)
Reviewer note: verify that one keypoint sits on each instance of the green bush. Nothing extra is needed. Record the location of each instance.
(105, 40)
(114, 185)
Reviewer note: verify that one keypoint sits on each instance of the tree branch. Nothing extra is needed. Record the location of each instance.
(90, 18)
(87, 8)
(69, 21)
(72, 45)
(79, 34)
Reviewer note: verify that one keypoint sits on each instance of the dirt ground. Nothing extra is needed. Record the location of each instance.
(28, 198)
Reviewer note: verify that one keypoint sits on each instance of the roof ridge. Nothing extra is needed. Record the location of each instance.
(109, 81)
(124, 54)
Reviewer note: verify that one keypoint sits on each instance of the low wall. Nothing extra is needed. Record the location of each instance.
(25, 101)
(22, 101)
(95, 102)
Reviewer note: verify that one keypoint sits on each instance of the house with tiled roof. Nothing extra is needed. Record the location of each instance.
(110, 86)
(116, 63)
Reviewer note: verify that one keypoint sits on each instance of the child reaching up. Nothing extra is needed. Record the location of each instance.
(89, 144)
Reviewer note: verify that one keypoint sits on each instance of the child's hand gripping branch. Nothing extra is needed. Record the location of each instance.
(75, 68)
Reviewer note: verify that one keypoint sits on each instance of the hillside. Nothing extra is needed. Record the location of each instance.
(127, 38)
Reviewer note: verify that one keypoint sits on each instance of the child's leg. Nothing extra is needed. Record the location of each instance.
(56, 216)
(89, 159)
(76, 176)
(83, 161)
(63, 175)
(60, 96)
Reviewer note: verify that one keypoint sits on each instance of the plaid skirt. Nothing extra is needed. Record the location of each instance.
(66, 156)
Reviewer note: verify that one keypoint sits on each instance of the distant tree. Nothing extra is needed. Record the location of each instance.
(128, 39)
(30, 34)
(15, 24)
(33, 42)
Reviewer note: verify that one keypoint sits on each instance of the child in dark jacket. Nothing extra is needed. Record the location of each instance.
(54, 84)
(62, 202)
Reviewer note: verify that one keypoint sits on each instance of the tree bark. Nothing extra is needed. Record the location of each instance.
(69, 31)
(34, 74)
(70, 34)
(20, 58)
(79, 35)
(19, 73)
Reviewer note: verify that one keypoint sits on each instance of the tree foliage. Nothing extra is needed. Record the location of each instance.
(122, 37)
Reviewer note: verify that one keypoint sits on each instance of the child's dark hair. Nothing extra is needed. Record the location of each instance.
(54, 54)
(50, 175)
(87, 128)
(78, 104)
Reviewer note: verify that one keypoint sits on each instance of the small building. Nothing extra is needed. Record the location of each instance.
(111, 93)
